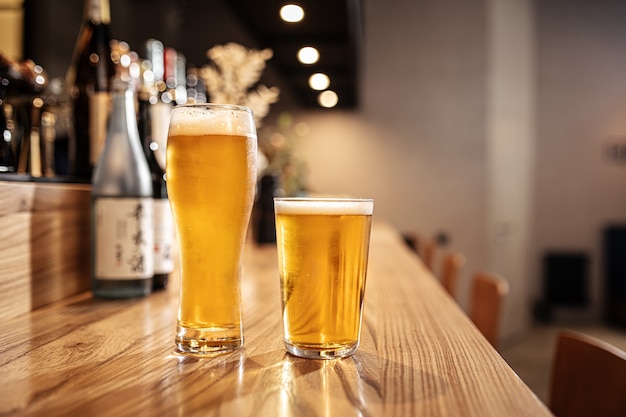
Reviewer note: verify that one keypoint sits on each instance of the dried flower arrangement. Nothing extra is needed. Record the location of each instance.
(279, 144)
(232, 78)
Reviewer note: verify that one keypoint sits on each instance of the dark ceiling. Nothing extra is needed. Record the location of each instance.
(331, 26)
(193, 26)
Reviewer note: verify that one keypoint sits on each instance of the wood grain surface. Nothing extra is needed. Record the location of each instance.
(419, 355)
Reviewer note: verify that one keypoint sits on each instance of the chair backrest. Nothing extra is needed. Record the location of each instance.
(429, 252)
(588, 377)
(412, 240)
(486, 303)
(451, 265)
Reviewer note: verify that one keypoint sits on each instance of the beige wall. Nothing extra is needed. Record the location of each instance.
(11, 26)
(417, 144)
(581, 109)
(487, 120)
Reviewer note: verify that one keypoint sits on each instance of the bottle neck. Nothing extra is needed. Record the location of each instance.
(124, 104)
(97, 11)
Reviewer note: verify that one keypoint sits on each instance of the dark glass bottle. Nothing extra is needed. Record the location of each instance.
(163, 221)
(265, 217)
(20, 82)
(122, 234)
(89, 81)
(7, 157)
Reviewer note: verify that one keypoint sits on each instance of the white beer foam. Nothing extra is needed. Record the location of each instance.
(324, 206)
(195, 120)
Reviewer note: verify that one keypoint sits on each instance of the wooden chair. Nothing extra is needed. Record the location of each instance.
(451, 265)
(487, 299)
(588, 378)
(429, 252)
(412, 240)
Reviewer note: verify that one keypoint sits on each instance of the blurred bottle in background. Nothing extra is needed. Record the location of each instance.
(196, 90)
(23, 92)
(152, 73)
(89, 80)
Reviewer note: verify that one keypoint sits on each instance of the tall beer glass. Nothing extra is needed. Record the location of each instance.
(323, 247)
(211, 175)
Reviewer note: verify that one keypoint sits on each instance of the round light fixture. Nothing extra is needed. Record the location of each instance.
(308, 55)
(319, 81)
(291, 13)
(328, 99)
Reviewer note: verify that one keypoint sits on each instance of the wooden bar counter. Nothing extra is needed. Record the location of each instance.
(419, 355)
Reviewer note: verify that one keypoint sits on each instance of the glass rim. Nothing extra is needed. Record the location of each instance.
(347, 206)
(214, 106)
(323, 199)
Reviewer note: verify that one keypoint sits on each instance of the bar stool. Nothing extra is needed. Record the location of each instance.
(486, 303)
(451, 265)
(412, 240)
(588, 377)
(429, 253)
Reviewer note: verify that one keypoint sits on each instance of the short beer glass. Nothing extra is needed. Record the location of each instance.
(211, 175)
(323, 246)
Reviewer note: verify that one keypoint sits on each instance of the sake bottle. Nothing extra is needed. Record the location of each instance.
(122, 204)
(163, 221)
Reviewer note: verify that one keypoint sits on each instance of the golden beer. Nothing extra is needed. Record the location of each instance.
(323, 249)
(211, 175)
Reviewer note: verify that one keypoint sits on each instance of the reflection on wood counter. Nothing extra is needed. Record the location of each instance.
(419, 355)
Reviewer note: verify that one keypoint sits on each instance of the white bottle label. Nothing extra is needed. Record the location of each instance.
(124, 238)
(163, 237)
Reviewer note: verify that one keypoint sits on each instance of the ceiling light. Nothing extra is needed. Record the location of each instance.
(308, 55)
(328, 99)
(291, 13)
(319, 81)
